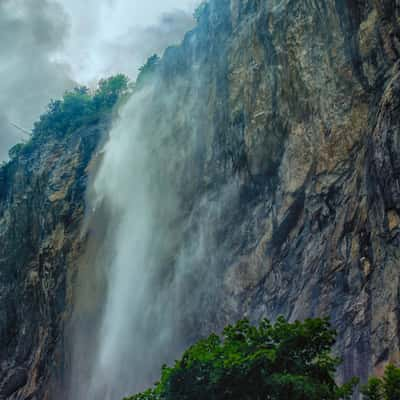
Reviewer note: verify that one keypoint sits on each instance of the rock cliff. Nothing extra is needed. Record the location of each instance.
(294, 107)
(41, 211)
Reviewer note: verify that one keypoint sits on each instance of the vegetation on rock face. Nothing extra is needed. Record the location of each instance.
(386, 388)
(15, 150)
(278, 361)
(79, 106)
(147, 71)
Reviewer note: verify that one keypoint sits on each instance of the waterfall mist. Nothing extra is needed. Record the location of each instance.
(162, 199)
(157, 256)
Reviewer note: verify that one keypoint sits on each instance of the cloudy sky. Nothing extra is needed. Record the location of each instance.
(108, 36)
(47, 45)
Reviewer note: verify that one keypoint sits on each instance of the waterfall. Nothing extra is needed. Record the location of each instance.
(123, 182)
(134, 334)
(160, 251)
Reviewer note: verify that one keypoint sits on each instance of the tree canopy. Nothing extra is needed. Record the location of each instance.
(80, 106)
(281, 361)
(385, 388)
(77, 108)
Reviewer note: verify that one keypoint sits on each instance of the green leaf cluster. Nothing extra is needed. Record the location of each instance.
(80, 107)
(278, 361)
(16, 150)
(385, 388)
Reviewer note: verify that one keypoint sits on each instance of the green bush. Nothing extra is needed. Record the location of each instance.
(79, 107)
(147, 71)
(386, 388)
(110, 91)
(15, 150)
(280, 361)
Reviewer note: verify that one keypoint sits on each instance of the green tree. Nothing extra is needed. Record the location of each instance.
(110, 90)
(66, 114)
(386, 388)
(280, 361)
(147, 71)
(15, 150)
(373, 390)
(391, 383)
(80, 107)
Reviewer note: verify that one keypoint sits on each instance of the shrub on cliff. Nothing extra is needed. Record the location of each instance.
(272, 361)
(386, 388)
(80, 106)
(110, 91)
(147, 71)
(15, 150)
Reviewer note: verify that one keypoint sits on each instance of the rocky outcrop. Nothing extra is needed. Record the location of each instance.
(41, 210)
(279, 129)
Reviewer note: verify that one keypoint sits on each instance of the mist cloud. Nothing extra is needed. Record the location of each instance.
(31, 33)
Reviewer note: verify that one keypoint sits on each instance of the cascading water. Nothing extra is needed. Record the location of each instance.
(123, 182)
(155, 256)
(133, 335)
(156, 239)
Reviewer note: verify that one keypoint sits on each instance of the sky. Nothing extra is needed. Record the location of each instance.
(50, 45)
(109, 36)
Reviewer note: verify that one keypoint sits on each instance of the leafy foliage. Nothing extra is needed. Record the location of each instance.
(15, 150)
(391, 383)
(373, 390)
(273, 362)
(386, 388)
(110, 91)
(79, 107)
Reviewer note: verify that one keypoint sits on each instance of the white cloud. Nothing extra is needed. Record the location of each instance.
(31, 32)
(118, 35)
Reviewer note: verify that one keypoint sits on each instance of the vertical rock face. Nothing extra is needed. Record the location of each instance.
(295, 104)
(299, 101)
(42, 206)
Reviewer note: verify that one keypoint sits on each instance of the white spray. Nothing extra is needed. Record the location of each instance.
(160, 251)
